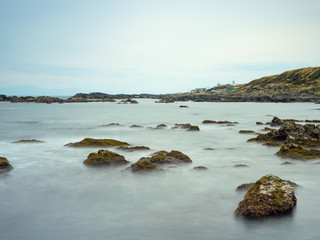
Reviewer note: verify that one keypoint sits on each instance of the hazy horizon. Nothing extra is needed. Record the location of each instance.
(157, 47)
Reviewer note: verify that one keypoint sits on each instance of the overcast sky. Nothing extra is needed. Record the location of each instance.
(139, 46)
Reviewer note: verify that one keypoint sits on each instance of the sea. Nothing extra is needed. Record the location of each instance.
(51, 195)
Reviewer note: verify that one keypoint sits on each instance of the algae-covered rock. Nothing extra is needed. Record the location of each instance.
(136, 126)
(105, 157)
(5, 165)
(295, 151)
(29, 141)
(91, 142)
(246, 132)
(269, 196)
(142, 166)
(217, 122)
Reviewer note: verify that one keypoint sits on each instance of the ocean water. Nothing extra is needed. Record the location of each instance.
(51, 194)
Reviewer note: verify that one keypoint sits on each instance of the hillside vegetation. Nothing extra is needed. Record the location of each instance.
(299, 82)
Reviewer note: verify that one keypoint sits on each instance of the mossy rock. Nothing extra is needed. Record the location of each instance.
(269, 196)
(5, 165)
(91, 142)
(272, 144)
(142, 166)
(29, 141)
(297, 152)
(179, 155)
(105, 157)
(247, 132)
(159, 158)
(132, 149)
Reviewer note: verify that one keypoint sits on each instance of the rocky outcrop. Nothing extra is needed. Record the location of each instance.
(29, 141)
(143, 166)
(290, 132)
(91, 142)
(187, 126)
(105, 157)
(247, 132)
(5, 165)
(269, 196)
(194, 128)
(295, 151)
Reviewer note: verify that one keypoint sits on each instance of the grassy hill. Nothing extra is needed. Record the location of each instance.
(299, 82)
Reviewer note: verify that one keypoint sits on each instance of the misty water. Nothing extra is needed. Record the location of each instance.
(51, 194)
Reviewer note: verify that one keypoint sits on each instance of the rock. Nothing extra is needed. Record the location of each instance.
(218, 122)
(143, 166)
(295, 151)
(111, 124)
(271, 144)
(259, 123)
(134, 102)
(312, 121)
(5, 165)
(131, 149)
(194, 128)
(290, 132)
(240, 165)
(268, 129)
(105, 157)
(29, 141)
(244, 186)
(200, 168)
(161, 126)
(208, 149)
(173, 157)
(91, 142)
(286, 163)
(247, 132)
(183, 126)
(269, 196)
(276, 121)
(136, 126)
(183, 106)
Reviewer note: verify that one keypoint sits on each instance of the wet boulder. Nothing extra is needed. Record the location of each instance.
(269, 196)
(5, 165)
(194, 128)
(276, 121)
(105, 157)
(143, 166)
(91, 142)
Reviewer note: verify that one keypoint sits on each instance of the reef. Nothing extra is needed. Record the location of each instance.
(91, 142)
(105, 157)
(269, 196)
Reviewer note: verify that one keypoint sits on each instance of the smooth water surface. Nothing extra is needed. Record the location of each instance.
(50, 194)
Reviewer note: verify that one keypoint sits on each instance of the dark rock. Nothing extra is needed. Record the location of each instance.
(183, 106)
(208, 149)
(91, 142)
(269, 196)
(259, 123)
(200, 168)
(244, 186)
(276, 121)
(143, 166)
(218, 122)
(105, 157)
(136, 126)
(161, 126)
(194, 128)
(183, 125)
(173, 157)
(240, 165)
(286, 163)
(5, 165)
(111, 124)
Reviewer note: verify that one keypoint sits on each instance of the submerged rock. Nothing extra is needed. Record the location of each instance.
(244, 186)
(105, 157)
(182, 125)
(200, 168)
(295, 151)
(136, 126)
(111, 125)
(183, 106)
(218, 122)
(259, 123)
(194, 128)
(91, 142)
(135, 148)
(5, 165)
(240, 165)
(29, 141)
(269, 196)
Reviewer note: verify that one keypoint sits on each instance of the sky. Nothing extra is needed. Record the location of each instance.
(151, 46)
